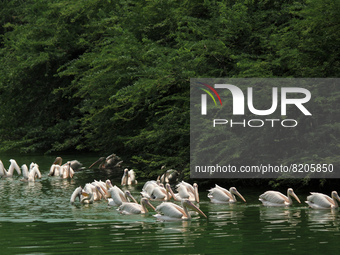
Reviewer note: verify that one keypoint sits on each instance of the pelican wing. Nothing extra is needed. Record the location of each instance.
(320, 199)
(218, 195)
(149, 186)
(36, 172)
(132, 176)
(225, 191)
(274, 197)
(187, 185)
(130, 208)
(183, 192)
(159, 193)
(170, 209)
(118, 196)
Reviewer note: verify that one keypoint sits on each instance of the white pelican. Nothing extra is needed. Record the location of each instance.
(13, 166)
(134, 208)
(84, 196)
(32, 174)
(155, 191)
(186, 191)
(219, 195)
(87, 196)
(171, 211)
(169, 176)
(103, 188)
(118, 196)
(54, 170)
(97, 192)
(275, 198)
(110, 162)
(75, 164)
(129, 177)
(322, 201)
(66, 171)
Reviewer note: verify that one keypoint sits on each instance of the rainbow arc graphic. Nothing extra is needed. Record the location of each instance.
(204, 97)
(209, 93)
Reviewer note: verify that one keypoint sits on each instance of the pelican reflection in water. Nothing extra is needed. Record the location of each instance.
(322, 201)
(275, 198)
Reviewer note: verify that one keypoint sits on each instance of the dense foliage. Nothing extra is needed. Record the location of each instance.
(113, 76)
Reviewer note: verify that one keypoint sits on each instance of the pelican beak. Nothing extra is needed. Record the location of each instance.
(84, 194)
(128, 194)
(195, 208)
(101, 192)
(169, 190)
(147, 202)
(108, 184)
(296, 197)
(240, 196)
(335, 196)
(99, 160)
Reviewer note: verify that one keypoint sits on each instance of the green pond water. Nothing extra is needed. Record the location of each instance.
(37, 218)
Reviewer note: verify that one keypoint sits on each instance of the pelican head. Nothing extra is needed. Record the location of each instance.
(58, 161)
(146, 202)
(290, 192)
(335, 195)
(101, 192)
(128, 195)
(108, 184)
(188, 204)
(235, 192)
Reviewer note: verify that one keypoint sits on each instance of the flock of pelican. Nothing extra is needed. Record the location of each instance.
(29, 174)
(186, 197)
(64, 170)
(152, 191)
